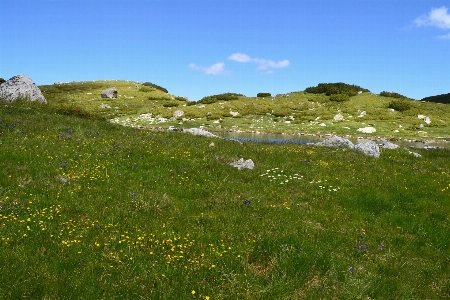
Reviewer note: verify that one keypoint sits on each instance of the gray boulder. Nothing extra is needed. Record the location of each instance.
(199, 131)
(388, 145)
(336, 142)
(20, 86)
(109, 93)
(243, 164)
(368, 148)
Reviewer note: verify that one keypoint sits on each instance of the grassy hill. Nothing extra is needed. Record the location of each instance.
(296, 112)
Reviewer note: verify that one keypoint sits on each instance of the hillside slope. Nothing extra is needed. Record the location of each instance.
(296, 112)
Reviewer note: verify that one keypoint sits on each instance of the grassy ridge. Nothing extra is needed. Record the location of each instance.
(93, 210)
(296, 112)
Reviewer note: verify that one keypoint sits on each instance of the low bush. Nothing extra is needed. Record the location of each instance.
(155, 86)
(336, 88)
(262, 95)
(178, 98)
(220, 97)
(391, 94)
(2, 80)
(401, 104)
(145, 89)
(156, 98)
(171, 104)
(339, 97)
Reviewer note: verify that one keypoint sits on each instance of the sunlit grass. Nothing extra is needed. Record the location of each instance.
(94, 210)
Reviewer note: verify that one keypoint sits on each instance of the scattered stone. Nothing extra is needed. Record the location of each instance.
(109, 93)
(20, 86)
(199, 131)
(58, 83)
(201, 106)
(391, 110)
(323, 124)
(362, 114)
(427, 120)
(367, 129)
(368, 148)
(212, 144)
(415, 154)
(104, 106)
(338, 117)
(336, 142)
(234, 113)
(178, 114)
(241, 164)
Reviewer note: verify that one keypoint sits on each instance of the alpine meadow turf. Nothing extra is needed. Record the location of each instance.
(95, 210)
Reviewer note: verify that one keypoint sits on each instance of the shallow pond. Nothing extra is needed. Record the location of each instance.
(309, 139)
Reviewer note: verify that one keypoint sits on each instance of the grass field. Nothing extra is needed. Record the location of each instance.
(95, 210)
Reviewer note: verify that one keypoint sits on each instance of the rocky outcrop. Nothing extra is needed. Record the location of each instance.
(336, 142)
(199, 131)
(109, 93)
(368, 148)
(178, 114)
(21, 86)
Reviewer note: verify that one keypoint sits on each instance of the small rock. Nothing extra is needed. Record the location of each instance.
(362, 114)
(109, 93)
(178, 113)
(367, 130)
(212, 144)
(338, 117)
(241, 164)
(234, 113)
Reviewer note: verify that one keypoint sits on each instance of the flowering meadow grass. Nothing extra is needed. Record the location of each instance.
(93, 210)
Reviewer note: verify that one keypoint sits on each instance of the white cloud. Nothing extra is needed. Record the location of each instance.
(438, 17)
(215, 69)
(264, 65)
(445, 36)
(240, 57)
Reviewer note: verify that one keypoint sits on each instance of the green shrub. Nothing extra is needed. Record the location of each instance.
(339, 97)
(178, 98)
(444, 98)
(262, 95)
(155, 86)
(156, 98)
(401, 104)
(220, 97)
(2, 80)
(391, 94)
(171, 104)
(145, 89)
(336, 88)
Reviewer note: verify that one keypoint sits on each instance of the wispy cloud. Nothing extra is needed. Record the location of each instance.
(437, 17)
(444, 37)
(215, 69)
(264, 65)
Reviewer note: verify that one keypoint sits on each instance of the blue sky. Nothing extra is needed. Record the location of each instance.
(196, 48)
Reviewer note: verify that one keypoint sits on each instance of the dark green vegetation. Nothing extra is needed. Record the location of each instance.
(262, 95)
(336, 88)
(155, 86)
(220, 97)
(391, 94)
(444, 98)
(93, 210)
(401, 104)
(2, 80)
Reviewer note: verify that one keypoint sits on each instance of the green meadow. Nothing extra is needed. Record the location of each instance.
(92, 209)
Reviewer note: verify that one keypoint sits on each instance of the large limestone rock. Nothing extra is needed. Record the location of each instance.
(20, 86)
(368, 148)
(109, 93)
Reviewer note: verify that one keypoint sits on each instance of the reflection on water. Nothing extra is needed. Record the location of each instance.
(306, 139)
